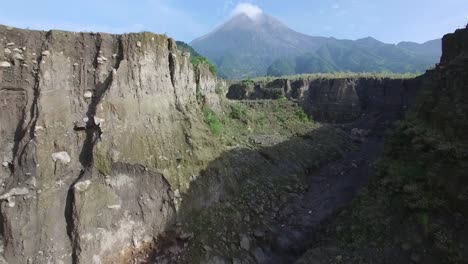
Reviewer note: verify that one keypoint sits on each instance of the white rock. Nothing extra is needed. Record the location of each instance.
(7, 51)
(5, 64)
(101, 59)
(85, 120)
(14, 192)
(45, 53)
(18, 57)
(82, 186)
(98, 121)
(5, 164)
(59, 183)
(115, 206)
(37, 128)
(61, 156)
(245, 243)
(17, 50)
(88, 94)
(10, 202)
(10, 44)
(114, 56)
(138, 44)
(75, 64)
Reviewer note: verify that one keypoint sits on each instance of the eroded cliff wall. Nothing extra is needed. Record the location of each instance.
(99, 134)
(335, 100)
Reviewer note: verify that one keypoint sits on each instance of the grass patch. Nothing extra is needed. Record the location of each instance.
(212, 120)
(302, 116)
(237, 112)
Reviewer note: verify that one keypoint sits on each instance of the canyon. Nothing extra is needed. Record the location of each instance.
(116, 149)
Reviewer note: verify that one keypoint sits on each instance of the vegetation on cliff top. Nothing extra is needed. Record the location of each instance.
(195, 57)
(340, 75)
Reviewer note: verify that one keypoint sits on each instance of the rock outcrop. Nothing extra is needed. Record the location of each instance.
(97, 133)
(415, 206)
(336, 100)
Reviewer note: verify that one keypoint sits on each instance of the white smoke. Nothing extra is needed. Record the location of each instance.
(248, 9)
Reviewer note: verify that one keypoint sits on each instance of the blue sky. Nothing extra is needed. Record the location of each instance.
(387, 20)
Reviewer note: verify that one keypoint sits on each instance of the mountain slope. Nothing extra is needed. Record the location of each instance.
(245, 46)
(248, 46)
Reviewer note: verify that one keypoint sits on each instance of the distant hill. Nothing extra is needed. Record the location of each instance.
(248, 46)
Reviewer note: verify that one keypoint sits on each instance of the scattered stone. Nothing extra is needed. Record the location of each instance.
(88, 94)
(10, 44)
(11, 202)
(18, 57)
(82, 186)
(45, 53)
(61, 156)
(98, 121)
(101, 59)
(259, 234)
(245, 242)
(7, 51)
(114, 56)
(185, 236)
(17, 50)
(138, 44)
(5, 164)
(339, 258)
(207, 248)
(5, 64)
(115, 206)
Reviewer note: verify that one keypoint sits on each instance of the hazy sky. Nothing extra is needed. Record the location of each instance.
(387, 20)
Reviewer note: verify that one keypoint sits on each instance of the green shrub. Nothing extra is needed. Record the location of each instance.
(282, 98)
(212, 120)
(202, 60)
(302, 116)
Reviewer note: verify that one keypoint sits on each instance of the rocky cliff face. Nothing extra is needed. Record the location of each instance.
(336, 100)
(416, 205)
(99, 134)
